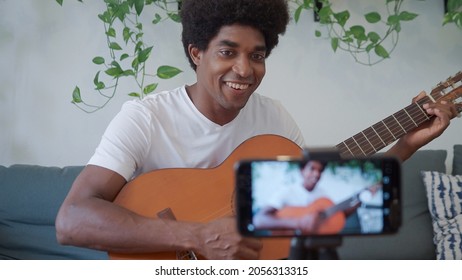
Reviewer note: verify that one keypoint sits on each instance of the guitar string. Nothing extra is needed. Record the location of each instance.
(381, 128)
(219, 213)
(409, 123)
(413, 116)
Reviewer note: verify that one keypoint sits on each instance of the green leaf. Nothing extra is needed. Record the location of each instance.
(373, 37)
(76, 98)
(370, 47)
(114, 71)
(96, 79)
(114, 46)
(381, 51)
(373, 17)
(174, 16)
(324, 15)
(135, 63)
(116, 64)
(126, 34)
(358, 31)
(138, 46)
(150, 88)
(98, 60)
(128, 73)
(60, 2)
(342, 17)
(157, 19)
(100, 85)
(134, 94)
(124, 56)
(393, 20)
(105, 17)
(407, 16)
(454, 5)
(144, 55)
(167, 72)
(120, 11)
(334, 43)
(111, 32)
(317, 33)
(139, 36)
(139, 5)
(297, 13)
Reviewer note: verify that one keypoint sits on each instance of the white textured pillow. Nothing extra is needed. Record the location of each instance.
(444, 194)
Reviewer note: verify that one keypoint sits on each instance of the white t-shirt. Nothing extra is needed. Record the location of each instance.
(294, 195)
(165, 130)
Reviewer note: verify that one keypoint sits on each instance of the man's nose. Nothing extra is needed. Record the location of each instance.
(243, 67)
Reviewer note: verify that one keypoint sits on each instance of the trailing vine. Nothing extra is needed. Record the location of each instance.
(366, 47)
(128, 53)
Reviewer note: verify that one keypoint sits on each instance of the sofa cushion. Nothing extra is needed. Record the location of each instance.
(414, 239)
(457, 160)
(30, 197)
(445, 204)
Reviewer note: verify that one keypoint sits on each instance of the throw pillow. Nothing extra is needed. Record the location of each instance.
(445, 204)
(457, 160)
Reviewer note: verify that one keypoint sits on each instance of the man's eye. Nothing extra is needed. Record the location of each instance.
(226, 53)
(258, 57)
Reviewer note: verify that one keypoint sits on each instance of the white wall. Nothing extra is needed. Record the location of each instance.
(46, 50)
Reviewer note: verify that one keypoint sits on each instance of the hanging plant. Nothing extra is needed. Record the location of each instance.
(365, 44)
(127, 53)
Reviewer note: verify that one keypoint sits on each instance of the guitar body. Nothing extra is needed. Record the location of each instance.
(332, 225)
(201, 195)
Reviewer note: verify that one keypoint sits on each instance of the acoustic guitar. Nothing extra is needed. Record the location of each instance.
(332, 215)
(202, 195)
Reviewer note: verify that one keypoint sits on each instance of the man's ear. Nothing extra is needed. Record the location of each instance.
(195, 54)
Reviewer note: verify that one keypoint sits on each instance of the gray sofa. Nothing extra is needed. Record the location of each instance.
(31, 195)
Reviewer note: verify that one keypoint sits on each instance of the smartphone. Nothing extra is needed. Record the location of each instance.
(293, 197)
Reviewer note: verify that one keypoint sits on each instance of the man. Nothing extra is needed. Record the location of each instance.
(227, 42)
(299, 207)
(304, 195)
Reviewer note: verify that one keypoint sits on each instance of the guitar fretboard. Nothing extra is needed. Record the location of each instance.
(386, 131)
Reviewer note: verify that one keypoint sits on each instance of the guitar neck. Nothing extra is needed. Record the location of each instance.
(386, 131)
(374, 138)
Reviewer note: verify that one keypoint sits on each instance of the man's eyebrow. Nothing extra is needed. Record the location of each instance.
(232, 44)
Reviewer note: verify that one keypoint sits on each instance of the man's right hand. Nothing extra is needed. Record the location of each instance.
(221, 240)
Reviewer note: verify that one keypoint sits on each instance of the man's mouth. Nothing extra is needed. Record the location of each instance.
(237, 86)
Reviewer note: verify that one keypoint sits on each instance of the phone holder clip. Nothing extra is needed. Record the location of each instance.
(316, 247)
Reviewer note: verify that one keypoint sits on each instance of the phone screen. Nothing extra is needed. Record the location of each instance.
(306, 198)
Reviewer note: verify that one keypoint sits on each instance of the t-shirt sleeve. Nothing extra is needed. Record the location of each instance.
(125, 142)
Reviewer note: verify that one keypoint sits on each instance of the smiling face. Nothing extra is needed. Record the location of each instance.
(311, 174)
(228, 72)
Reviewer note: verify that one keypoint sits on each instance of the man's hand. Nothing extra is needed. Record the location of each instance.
(310, 223)
(442, 111)
(221, 240)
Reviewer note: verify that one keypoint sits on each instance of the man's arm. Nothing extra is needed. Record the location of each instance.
(266, 219)
(88, 218)
(425, 133)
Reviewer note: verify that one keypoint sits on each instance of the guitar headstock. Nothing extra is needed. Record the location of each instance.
(450, 90)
